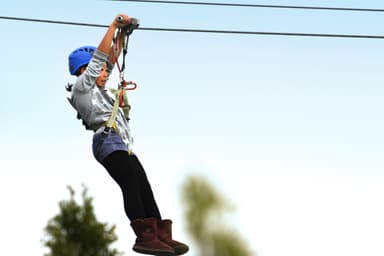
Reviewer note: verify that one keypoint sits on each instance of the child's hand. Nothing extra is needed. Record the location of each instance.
(122, 20)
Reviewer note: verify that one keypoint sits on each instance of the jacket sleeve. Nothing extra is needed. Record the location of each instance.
(110, 67)
(87, 80)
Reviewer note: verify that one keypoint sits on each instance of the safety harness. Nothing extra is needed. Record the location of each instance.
(121, 99)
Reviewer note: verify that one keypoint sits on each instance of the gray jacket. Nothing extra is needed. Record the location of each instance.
(94, 104)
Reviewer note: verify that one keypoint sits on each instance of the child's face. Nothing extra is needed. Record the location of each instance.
(103, 77)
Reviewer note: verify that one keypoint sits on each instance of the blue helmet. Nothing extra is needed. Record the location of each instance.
(79, 58)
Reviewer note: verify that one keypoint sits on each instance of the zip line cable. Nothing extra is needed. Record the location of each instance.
(322, 8)
(202, 30)
(53, 22)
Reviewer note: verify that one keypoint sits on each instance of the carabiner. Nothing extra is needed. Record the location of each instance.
(125, 84)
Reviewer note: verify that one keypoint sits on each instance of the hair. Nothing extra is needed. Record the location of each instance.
(78, 73)
(68, 87)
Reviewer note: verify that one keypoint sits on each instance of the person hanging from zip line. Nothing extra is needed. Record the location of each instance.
(112, 140)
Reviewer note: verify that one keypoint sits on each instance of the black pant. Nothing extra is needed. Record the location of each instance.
(128, 172)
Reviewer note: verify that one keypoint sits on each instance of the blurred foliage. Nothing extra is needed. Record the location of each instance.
(75, 230)
(204, 209)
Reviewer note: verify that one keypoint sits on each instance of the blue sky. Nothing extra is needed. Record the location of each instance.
(289, 129)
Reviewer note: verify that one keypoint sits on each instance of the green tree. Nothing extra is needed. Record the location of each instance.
(204, 208)
(75, 230)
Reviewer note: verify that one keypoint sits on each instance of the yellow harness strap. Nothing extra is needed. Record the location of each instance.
(111, 123)
(126, 107)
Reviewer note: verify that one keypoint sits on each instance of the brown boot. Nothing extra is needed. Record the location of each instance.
(147, 240)
(165, 235)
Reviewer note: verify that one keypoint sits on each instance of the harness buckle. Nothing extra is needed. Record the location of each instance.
(107, 130)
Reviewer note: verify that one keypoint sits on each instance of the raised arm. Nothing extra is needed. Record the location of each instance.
(105, 45)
